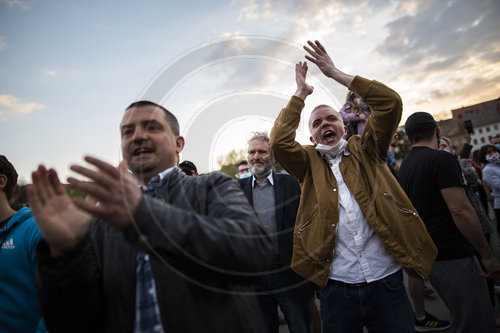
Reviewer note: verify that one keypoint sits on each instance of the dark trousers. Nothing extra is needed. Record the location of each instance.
(381, 306)
(273, 291)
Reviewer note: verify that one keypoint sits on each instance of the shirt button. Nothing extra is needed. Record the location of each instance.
(334, 190)
(327, 260)
(333, 226)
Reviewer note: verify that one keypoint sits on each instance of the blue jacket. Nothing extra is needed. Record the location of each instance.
(19, 306)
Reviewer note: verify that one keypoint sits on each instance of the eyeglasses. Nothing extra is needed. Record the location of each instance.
(395, 136)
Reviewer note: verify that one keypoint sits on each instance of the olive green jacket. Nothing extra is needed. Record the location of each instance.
(383, 202)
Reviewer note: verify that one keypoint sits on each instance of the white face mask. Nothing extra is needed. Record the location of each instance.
(493, 158)
(332, 151)
(245, 175)
(446, 149)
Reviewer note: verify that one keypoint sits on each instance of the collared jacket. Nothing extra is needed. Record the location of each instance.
(205, 245)
(380, 197)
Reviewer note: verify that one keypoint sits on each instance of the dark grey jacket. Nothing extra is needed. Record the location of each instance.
(287, 197)
(209, 245)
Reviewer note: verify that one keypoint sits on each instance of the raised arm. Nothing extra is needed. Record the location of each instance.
(385, 103)
(288, 152)
(303, 89)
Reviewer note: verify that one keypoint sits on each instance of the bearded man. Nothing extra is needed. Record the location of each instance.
(275, 197)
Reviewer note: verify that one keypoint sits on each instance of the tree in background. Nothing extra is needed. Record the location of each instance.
(229, 163)
(20, 197)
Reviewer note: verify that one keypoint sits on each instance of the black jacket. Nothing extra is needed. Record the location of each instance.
(209, 245)
(286, 200)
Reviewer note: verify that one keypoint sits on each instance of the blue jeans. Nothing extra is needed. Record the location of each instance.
(276, 293)
(381, 306)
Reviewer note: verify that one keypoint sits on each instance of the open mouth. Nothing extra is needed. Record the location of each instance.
(328, 135)
(141, 151)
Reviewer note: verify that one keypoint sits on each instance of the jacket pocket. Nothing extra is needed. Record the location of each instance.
(399, 207)
(308, 221)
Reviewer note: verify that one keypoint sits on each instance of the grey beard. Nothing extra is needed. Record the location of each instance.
(260, 170)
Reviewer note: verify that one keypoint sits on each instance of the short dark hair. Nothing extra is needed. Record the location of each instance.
(242, 162)
(171, 119)
(483, 151)
(7, 169)
(420, 126)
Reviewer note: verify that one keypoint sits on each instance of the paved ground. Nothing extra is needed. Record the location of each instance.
(434, 304)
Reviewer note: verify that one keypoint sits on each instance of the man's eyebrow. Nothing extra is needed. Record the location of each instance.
(150, 121)
(126, 126)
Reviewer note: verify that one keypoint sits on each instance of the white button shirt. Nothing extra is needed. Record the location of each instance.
(359, 255)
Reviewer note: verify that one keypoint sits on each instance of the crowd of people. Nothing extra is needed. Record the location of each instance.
(157, 247)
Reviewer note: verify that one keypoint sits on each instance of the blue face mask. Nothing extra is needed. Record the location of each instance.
(497, 145)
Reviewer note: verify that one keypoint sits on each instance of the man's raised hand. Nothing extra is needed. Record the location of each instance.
(115, 189)
(319, 57)
(61, 223)
(303, 89)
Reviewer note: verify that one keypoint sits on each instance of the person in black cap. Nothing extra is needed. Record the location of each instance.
(189, 168)
(432, 179)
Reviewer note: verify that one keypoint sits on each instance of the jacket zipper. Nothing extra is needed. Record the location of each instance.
(308, 222)
(404, 210)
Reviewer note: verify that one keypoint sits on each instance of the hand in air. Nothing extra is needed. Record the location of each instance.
(320, 57)
(303, 89)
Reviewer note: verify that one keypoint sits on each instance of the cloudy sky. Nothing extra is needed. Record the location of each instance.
(68, 69)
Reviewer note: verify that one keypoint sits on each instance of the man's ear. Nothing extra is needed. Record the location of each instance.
(312, 140)
(3, 182)
(345, 131)
(179, 141)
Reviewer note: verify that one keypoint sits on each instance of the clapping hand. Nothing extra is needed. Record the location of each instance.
(115, 189)
(62, 224)
(320, 57)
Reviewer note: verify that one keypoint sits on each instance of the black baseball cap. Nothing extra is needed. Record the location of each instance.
(189, 165)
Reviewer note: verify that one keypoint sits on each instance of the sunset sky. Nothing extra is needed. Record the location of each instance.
(68, 69)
